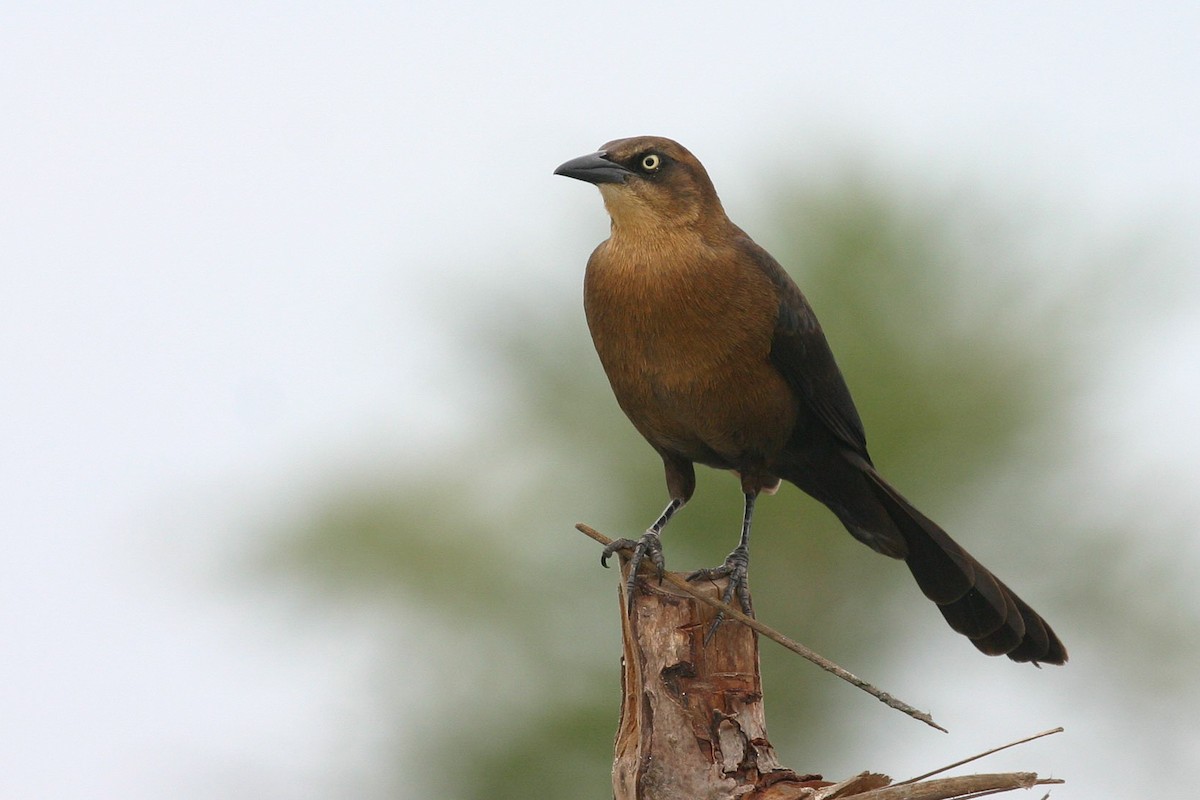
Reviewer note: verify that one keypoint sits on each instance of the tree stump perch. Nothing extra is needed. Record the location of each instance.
(693, 725)
(692, 721)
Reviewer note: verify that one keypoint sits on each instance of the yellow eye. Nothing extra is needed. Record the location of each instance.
(651, 162)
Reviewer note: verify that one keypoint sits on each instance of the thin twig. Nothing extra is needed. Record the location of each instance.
(984, 754)
(1038, 782)
(962, 787)
(797, 648)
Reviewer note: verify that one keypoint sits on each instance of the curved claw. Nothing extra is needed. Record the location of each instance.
(648, 545)
(614, 546)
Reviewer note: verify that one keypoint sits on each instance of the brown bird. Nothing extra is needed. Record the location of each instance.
(717, 358)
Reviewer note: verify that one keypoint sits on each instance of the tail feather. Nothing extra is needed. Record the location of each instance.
(973, 600)
(1039, 639)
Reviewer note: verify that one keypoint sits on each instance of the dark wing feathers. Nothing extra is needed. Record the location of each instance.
(802, 355)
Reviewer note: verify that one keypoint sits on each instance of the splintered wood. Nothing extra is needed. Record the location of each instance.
(693, 724)
(692, 716)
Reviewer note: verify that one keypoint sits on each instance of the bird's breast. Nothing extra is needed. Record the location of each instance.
(684, 335)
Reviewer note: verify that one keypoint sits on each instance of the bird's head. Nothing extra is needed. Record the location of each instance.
(648, 182)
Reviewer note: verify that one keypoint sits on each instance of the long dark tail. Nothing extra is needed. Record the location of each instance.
(973, 600)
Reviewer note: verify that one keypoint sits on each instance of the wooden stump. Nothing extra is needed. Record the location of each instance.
(692, 720)
(693, 725)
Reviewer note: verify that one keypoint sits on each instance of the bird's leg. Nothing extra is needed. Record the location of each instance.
(648, 545)
(735, 568)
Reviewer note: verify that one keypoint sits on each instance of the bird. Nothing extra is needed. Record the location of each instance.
(717, 358)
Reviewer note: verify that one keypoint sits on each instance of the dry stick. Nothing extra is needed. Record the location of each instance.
(1038, 782)
(984, 754)
(963, 787)
(779, 638)
(987, 792)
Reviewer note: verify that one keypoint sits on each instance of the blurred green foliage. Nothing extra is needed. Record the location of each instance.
(952, 360)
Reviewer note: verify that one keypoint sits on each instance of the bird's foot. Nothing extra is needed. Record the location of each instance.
(649, 546)
(735, 568)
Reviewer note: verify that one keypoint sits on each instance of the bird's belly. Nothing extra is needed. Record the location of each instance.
(724, 415)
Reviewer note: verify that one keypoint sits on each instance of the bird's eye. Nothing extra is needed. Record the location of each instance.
(651, 162)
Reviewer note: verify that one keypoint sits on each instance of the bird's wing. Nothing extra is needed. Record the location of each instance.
(801, 353)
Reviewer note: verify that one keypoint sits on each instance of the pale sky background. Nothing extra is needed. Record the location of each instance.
(228, 230)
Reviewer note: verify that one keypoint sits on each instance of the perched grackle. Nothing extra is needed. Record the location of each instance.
(717, 358)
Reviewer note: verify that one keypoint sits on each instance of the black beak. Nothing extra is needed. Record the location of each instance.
(594, 168)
